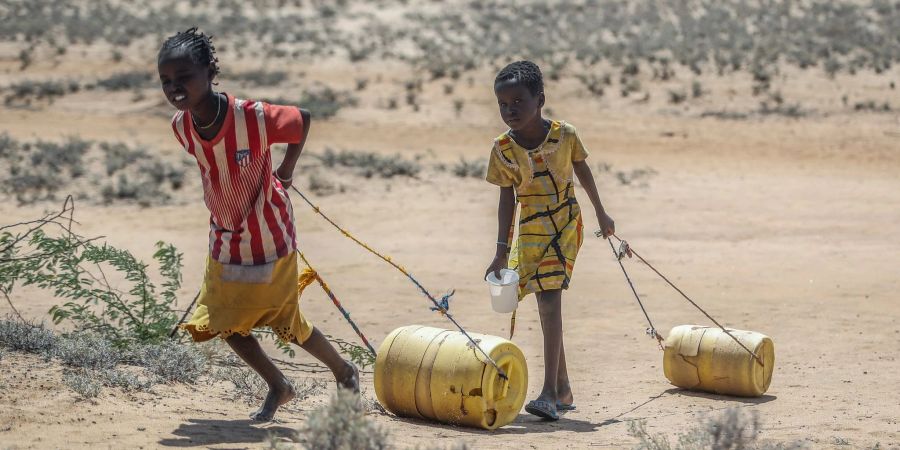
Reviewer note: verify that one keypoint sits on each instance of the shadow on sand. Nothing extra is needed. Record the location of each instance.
(707, 395)
(203, 432)
(526, 423)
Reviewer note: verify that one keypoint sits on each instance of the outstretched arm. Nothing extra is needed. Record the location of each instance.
(285, 171)
(586, 178)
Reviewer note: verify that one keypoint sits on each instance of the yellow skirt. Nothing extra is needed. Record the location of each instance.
(237, 299)
(548, 242)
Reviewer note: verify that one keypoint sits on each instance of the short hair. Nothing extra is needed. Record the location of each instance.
(197, 45)
(524, 72)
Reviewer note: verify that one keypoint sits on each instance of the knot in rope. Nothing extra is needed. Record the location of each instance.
(443, 305)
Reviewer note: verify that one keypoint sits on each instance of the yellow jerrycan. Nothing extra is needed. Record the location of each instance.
(707, 359)
(436, 374)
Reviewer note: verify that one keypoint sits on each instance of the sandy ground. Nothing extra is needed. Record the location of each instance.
(782, 226)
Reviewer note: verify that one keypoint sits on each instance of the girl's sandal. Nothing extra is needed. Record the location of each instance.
(565, 406)
(541, 409)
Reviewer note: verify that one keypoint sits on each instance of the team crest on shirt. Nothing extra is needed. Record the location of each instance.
(242, 157)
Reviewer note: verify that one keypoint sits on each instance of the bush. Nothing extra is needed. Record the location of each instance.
(171, 361)
(260, 77)
(35, 170)
(477, 168)
(83, 382)
(872, 105)
(725, 115)
(732, 430)
(73, 268)
(148, 179)
(322, 102)
(8, 146)
(369, 164)
(126, 381)
(117, 156)
(127, 81)
(676, 97)
(696, 89)
(635, 176)
(25, 92)
(94, 361)
(87, 351)
(793, 111)
(27, 337)
(359, 355)
(342, 425)
(248, 385)
(320, 184)
(252, 389)
(39, 170)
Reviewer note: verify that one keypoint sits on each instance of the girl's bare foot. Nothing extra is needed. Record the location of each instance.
(564, 394)
(277, 396)
(349, 377)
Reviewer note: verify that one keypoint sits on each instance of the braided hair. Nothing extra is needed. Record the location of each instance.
(194, 44)
(525, 72)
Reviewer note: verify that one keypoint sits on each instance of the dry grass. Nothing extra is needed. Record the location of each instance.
(342, 425)
(92, 362)
(734, 429)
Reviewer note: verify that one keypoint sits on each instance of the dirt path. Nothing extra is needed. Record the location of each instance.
(797, 241)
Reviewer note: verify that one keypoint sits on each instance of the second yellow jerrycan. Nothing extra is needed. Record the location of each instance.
(436, 374)
(708, 359)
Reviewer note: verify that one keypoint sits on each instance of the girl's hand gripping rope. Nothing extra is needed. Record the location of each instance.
(607, 225)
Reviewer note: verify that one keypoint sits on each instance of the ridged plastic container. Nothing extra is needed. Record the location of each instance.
(436, 374)
(707, 359)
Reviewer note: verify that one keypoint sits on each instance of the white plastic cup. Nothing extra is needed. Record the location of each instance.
(504, 290)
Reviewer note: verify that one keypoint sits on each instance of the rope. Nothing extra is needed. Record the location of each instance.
(652, 330)
(183, 317)
(312, 272)
(631, 249)
(437, 304)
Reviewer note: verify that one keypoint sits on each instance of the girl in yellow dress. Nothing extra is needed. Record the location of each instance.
(533, 163)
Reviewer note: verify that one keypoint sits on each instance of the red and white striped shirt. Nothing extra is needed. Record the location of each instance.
(251, 218)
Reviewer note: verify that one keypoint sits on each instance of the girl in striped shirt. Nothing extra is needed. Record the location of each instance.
(251, 277)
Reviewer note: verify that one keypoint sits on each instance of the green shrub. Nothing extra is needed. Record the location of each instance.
(359, 355)
(74, 269)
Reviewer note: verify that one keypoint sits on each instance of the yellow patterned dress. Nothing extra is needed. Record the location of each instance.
(550, 225)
